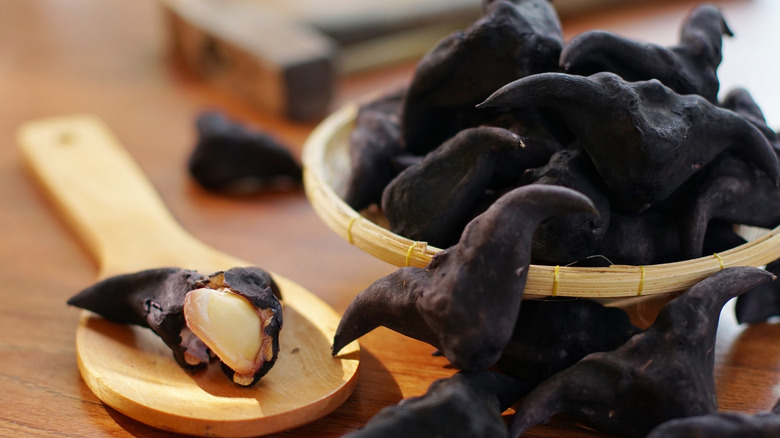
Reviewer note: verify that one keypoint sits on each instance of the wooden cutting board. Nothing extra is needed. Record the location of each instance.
(117, 213)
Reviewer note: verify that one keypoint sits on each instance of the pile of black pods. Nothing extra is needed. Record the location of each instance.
(511, 147)
(635, 127)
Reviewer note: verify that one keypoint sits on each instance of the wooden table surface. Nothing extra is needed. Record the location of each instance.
(110, 58)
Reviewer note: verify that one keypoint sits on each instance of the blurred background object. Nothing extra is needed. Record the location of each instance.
(285, 56)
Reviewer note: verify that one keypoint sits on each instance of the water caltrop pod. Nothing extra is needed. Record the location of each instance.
(690, 67)
(644, 139)
(663, 373)
(466, 301)
(234, 314)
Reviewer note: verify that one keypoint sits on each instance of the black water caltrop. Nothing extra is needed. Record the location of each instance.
(230, 157)
(466, 301)
(663, 373)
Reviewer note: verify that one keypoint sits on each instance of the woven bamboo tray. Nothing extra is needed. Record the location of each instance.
(326, 164)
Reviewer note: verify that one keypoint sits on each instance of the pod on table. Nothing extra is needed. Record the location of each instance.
(468, 404)
(722, 425)
(663, 373)
(552, 334)
(230, 157)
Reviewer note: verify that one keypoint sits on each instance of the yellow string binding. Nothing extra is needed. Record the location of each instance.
(409, 253)
(720, 259)
(349, 229)
(641, 281)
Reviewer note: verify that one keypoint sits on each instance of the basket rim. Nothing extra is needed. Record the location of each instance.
(615, 281)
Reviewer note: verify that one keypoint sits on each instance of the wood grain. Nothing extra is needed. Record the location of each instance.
(109, 58)
(106, 198)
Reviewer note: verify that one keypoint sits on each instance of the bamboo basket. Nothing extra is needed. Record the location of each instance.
(326, 163)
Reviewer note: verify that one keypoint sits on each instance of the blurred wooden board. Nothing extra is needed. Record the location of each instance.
(285, 56)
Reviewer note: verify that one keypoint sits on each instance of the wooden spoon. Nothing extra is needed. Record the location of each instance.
(115, 210)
